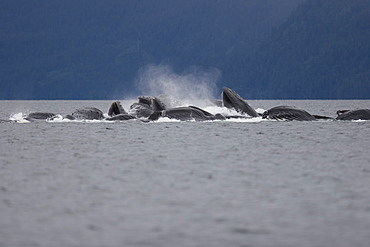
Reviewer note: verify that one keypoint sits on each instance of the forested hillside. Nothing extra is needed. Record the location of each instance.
(92, 49)
(321, 52)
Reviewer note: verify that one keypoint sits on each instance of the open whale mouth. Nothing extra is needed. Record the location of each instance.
(228, 99)
(340, 112)
(231, 99)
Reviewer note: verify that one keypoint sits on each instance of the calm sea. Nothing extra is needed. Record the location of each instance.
(168, 183)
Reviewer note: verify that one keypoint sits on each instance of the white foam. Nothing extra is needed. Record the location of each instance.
(17, 117)
(58, 118)
(246, 120)
(260, 110)
(23, 121)
(20, 117)
(166, 120)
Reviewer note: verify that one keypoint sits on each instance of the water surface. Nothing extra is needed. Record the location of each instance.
(223, 183)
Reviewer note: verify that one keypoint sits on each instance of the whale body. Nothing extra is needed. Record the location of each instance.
(287, 113)
(360, 114)
(151, 108)
(86, 113)
(39, 116)
(186, 113)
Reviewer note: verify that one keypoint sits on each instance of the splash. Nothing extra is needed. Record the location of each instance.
(17, 116)
(193, 84)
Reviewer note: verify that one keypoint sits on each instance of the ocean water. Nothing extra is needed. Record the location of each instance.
(239, 183)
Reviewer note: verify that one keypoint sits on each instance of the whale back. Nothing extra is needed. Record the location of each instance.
(360, 114)
(40, 115)
(287, 113)
(88, 113)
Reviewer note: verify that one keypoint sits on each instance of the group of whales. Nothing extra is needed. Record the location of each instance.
(150, 108)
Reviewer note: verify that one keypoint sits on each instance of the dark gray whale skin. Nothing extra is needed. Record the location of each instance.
(360, 114)
(86, 113)
(141, 110)
(232, 100)
(116, 109)
(187, 113)
(146, 106)
(120, 117)
(287, 113)
(157, 109)
(39, 116)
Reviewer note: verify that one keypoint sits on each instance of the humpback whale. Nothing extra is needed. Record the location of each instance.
(116, 109)
(39, 116)
(158, 105)
(140, 110)
(287, 113)
(151, 108)
(116, 112)
(146, 106)
(232, 100)
(120, 117)
(86, 113)
(186, 113)
(360, 114)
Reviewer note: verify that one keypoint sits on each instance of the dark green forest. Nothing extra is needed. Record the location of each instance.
(264, 49)
(321, 52)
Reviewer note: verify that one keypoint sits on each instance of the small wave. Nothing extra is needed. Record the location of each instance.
(66, 120)
(56, 118)
(260, 110)
(168, 120)
(222, 110)
(246, 120)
